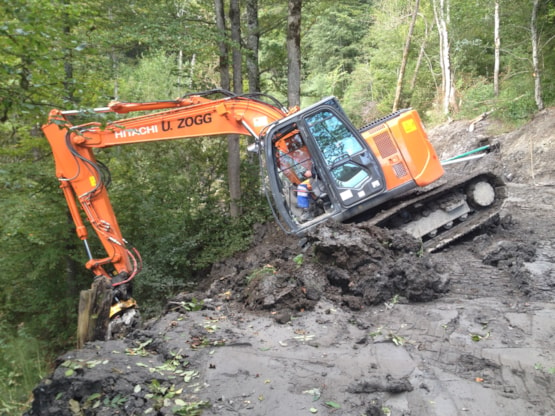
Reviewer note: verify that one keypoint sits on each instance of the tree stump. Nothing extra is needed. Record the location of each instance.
(94, 312)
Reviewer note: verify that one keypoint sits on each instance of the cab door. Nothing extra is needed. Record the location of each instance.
(349, 165)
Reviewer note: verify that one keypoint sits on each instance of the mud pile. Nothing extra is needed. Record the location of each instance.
(352, 265)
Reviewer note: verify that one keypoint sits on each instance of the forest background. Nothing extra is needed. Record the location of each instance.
(449, 59)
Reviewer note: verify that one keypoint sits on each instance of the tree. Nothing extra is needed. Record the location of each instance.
(233, 149)
(331, 46)
(442, 17)
(535, 56)
(405, 57)
(252, 43)
(497, 43)
(421, 54)
(294, 52)
(223, 55)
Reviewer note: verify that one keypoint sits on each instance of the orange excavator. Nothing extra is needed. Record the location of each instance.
(318, 167)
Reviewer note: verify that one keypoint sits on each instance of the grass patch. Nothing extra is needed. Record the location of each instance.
(22, 365)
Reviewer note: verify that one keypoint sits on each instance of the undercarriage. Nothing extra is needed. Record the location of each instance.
(441, 215)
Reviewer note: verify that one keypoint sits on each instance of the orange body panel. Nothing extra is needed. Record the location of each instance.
(404, 151)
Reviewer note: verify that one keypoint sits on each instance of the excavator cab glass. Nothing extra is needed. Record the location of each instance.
(317, 154)
(337, 145)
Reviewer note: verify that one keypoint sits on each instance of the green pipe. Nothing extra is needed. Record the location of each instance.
(479, 149)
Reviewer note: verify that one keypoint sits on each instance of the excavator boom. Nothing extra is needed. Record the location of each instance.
(81, 175)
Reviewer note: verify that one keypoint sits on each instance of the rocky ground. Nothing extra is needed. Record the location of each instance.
(355, 320)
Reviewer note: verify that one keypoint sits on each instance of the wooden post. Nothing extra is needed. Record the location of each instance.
(94, 312)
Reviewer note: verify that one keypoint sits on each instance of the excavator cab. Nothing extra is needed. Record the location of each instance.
(319, 148)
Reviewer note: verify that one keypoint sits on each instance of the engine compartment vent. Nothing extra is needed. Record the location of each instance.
(399, 169)
(385, 145)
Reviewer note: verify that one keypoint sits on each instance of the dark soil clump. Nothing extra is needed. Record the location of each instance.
(353, 265)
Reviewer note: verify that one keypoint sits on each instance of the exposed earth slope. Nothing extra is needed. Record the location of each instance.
(354, 322)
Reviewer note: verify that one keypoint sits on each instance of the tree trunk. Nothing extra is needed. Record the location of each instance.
(192, 71)
(253, 40)
(222, 46)
(294, 53)
(405, 58)
(69, 81)
(497, 43)
(535, 56)
(233, 157)
(421, 55)
(236, 56)
(448, 96)
(72, 266)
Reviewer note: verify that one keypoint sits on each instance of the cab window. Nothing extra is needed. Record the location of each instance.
(333, 137)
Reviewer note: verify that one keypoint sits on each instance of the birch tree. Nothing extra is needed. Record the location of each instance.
(448, 91)
(535, 56)
(497, 48)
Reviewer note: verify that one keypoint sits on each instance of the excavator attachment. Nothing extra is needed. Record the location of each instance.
(121, 306)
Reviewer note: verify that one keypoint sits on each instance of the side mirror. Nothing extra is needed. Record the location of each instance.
(253, 148)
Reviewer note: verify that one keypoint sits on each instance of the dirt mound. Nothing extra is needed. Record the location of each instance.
(352, 265)
(352, 319)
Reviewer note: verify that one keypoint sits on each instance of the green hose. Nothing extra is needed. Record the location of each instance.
(479, 149)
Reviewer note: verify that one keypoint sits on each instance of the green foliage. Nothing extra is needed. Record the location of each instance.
(331, 48)
(22, 365)
(190, 408)
(513, 106)
(371, 90)
(299, 259)
(151, 78)
(267, 270)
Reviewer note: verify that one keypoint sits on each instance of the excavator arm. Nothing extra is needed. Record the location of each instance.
(82, 177)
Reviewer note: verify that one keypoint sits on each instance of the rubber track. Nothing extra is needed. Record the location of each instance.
(450, 183)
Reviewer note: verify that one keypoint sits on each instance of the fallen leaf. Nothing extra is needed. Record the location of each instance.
(75, 407)
(315, 393)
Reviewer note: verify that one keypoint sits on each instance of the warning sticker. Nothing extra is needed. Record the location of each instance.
(409, 125)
